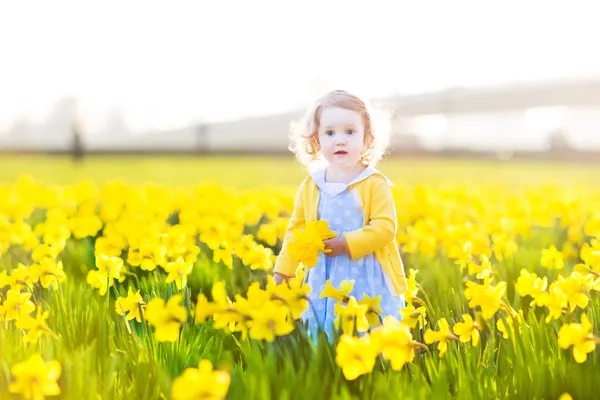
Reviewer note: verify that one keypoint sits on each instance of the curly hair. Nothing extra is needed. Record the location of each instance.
(303, 133)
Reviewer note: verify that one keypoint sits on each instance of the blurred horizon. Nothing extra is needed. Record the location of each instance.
(125, 69)
(160, 66)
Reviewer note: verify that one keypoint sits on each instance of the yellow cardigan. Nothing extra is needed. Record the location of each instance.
(377, 235)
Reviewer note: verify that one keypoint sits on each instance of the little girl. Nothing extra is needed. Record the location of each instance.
(356, 201)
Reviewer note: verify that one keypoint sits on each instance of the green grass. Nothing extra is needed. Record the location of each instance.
(248, 171)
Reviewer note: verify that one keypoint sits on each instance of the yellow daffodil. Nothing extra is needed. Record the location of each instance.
(307, 243)
(271, 320)
(350, 316)
(49, 272)
(467, 330)
(552, 258)
(414, 317)
(35, 327)
(442, 336)
(356, 356)
(487, 296)
(130, 305)
(555, 300)
(395, 342)
(580, 337)
(109, 268)
(201, 383)
(373, 309)
(16, 303)
(480, 270)
(178, 271)
(529, 284)
(342, 294)
(35, 379)
(166, 319)
(412, 287)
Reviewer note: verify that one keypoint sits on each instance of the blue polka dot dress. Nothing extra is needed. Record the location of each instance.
(338, 206)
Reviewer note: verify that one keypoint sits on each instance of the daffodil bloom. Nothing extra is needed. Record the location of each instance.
(576, 287)
(461, 253)
(293, 296)
(269, 321)
(373, 309)
(35, 327)
(16, 303)
(45, 250)
(223, 255)
(592, 226)
(555, 300)
(166, 319)
(590, 254)
(503, 246)
(467, 330)
(507, 330)
(305, 249)
(109, 268)
(178, 271)
(529, 284)
(487, 296)
(341, 294)
(414, 317)
(412, 287)
(35, 379)
(201, 383)
(23, 278)
(480, 270)
(204, 309)
(580, 337)
(263, 314)
(418, 238)
(130, 305)
(5, 280)
(307, 243)
(268, 233)
(258, 257)
(552, 258)
(85, 226)
(442, 336)
(147, 255)
(395, 342)
(214, 235)
(351, 316)
(356, 356)
(236, 316)
(109, 247)
(49, 272)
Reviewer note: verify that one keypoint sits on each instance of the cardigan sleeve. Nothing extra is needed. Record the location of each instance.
(284, 263)
(381, 228)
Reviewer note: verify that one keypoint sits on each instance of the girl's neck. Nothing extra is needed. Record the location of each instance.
(338, 175)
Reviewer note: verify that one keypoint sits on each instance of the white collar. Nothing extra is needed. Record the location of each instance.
(318, 177)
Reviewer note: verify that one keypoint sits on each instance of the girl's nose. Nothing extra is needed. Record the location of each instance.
(340, 139)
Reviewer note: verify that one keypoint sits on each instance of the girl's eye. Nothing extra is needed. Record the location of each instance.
(350, 132)
(330, 133)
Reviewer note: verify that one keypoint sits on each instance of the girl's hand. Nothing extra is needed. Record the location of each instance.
(280, 278)
(337, 245)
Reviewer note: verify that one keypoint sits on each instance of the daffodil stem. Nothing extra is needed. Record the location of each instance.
(314, 311)
(58, 283)
(28, 288)
(143, 320)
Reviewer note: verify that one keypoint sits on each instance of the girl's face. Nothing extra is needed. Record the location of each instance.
(341, 137)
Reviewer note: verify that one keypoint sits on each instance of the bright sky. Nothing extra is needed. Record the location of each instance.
(171, 63)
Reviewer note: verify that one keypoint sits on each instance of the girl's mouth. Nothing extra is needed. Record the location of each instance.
(340, 152)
